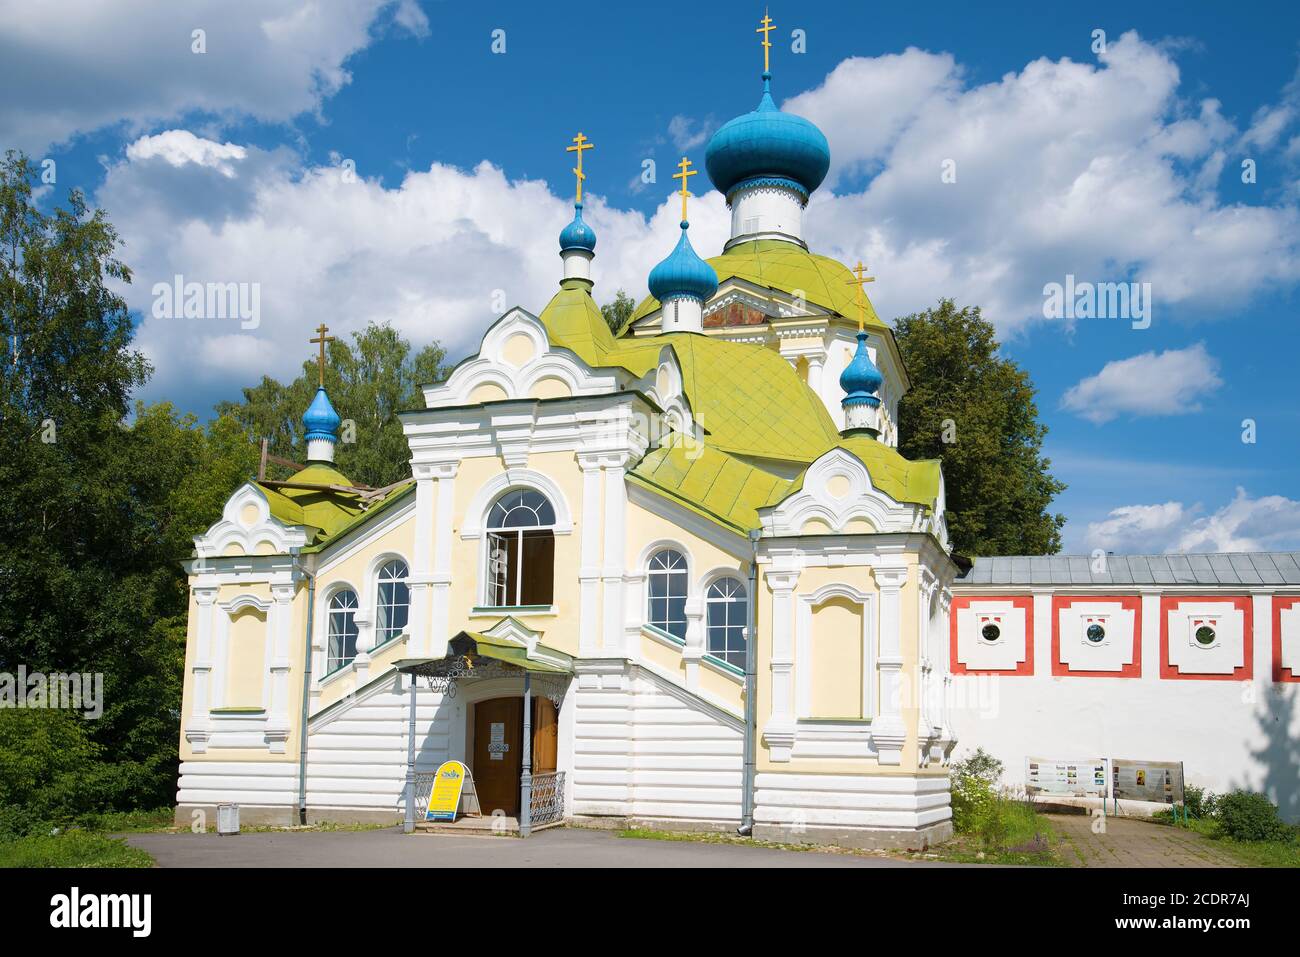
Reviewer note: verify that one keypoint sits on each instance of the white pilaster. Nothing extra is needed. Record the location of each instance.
(888, 730)
(614, 564)
(440, 577)
(693, 650)
(778, 732)
(280, 621)
(589, 569)
(199, 725)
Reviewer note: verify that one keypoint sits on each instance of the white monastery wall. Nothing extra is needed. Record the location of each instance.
(1147, 691)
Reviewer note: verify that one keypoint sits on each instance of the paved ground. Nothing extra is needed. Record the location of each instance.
(1134, 843)
(556, 847)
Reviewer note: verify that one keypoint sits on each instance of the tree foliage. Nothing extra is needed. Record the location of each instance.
(102, 501)
(975, 410)
(618, 312)
(368, 381)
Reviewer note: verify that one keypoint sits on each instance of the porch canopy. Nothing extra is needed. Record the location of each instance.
(477, 656)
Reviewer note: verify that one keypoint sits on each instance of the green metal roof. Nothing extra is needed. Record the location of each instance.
(786, 266)
(748, 398)
(327, 513)
(709, 482)
(901, 479)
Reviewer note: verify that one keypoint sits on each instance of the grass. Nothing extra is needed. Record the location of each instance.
(1250, 853)
(74, 848)
(1028, 839)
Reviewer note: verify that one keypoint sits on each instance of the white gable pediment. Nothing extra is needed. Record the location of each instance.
(517, 361)
(247, 527)
(838, 495)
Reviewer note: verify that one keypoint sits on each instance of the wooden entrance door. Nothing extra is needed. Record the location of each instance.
(498, 729)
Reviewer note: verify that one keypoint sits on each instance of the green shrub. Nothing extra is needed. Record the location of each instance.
(1200, 802)
(1249, 816)
(975, 802)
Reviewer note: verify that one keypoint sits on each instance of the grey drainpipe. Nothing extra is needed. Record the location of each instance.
(751, 705)
(306, 695)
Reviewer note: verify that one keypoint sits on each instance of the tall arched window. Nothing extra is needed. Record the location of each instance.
(521, 550)
(667, 578)
(726, 613)
(342, 645)
(393, 601)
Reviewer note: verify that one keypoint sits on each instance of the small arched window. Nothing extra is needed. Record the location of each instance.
(342, 645)
(667, 576)
(521, 550)
(393, 601)
(726, 612)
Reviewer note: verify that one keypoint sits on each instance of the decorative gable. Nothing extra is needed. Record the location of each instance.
(517, 361)
(247, 527)
(838, 497)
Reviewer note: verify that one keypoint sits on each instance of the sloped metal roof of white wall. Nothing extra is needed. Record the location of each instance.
(1222, 568)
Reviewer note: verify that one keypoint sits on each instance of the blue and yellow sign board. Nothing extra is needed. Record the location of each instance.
(444, 799)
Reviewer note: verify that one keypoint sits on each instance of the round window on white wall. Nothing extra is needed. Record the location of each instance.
(1096, 633)
(990, 633)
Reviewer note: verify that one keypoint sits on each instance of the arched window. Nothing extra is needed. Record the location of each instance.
(342, 646)
(667, 593)
(393, 601)
(521, 550)
(726, 613)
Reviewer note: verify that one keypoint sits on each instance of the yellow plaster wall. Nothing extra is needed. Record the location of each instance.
(246, 671)
(810, 580)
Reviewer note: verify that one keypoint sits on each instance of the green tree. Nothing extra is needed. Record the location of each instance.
(368, 381)
(97, 513)
(618, 312)
(975, 410)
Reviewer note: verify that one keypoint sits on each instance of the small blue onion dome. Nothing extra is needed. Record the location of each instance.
(860, 378)
(683, 273)
(767, 144)
(320, 418)
(578, 235)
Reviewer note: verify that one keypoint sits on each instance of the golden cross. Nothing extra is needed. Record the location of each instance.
(860, 280)
(580, 143)
(767, 27)
(686, 171)
(322, 329)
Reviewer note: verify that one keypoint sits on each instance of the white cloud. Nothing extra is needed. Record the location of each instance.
(1268, 523)
(1165, 383)
(427, 255)
(179, 147)
(1099, 170)
(81, 65)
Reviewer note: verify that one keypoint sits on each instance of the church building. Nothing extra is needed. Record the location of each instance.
(678, 572)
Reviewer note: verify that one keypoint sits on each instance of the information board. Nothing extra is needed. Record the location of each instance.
(1159, 781)
(444, 799)
(1052, 776)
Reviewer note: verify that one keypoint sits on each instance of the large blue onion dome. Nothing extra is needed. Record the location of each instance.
(768, 144)
(320, 418)
(578, 235)
(683, 273)
(861, 379)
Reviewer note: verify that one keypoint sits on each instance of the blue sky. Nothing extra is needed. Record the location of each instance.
(230, 165)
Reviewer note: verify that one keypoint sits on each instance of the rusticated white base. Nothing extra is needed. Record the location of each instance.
(860, 810)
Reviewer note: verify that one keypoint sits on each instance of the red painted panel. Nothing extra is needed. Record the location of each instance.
(1242, 603)
(1280, 604)
(1024, 602)
(1131, 603)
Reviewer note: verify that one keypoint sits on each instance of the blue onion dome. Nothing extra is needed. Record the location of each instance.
(320, 418)
(578, 235)
(861, 379)
(767, 145)
(683, 273)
